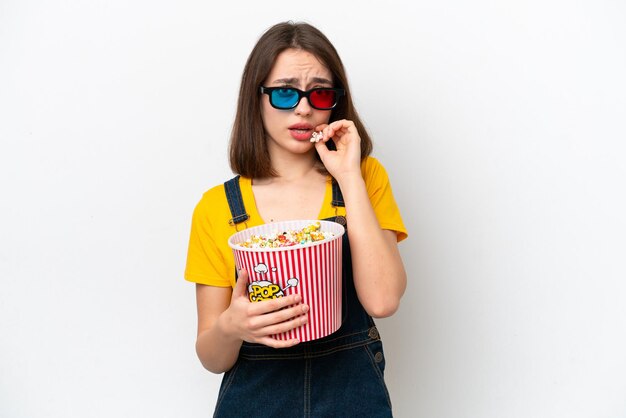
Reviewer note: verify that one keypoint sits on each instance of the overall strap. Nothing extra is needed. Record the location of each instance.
(337, 196)
(338, 202)
(235, 201)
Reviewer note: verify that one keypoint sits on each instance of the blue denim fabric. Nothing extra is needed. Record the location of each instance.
(340, 375)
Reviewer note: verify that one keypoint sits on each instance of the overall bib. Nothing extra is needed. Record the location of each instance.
(340, 375)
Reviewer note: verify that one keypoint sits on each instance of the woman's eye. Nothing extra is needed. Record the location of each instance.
(285, 92)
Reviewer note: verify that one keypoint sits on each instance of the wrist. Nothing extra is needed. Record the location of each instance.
(226, 329)
(350, 180)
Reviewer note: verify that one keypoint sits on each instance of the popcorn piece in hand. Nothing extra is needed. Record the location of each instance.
(317, 136)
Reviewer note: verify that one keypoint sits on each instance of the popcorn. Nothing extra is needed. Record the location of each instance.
(308, 234)
(317, 136)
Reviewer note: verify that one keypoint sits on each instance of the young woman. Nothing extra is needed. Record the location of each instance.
(294, 84)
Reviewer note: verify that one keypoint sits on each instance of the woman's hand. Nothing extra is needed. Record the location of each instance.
(346, 160)
(254, 322)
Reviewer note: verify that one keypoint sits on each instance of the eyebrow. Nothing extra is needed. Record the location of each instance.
(318, 80)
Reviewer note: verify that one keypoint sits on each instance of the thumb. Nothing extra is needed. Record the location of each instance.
(322, 149)
(241, 285)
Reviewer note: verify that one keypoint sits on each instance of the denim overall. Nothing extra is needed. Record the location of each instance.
(340, 375)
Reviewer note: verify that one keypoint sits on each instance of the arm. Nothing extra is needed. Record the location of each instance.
(216, 348)
(379, 275)
(226, 318)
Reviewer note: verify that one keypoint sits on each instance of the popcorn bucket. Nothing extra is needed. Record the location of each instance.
(312, 270)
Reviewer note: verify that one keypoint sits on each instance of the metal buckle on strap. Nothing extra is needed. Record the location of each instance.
(340, 219)
(238, 220)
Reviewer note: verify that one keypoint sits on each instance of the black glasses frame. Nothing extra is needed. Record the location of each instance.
(338, 94)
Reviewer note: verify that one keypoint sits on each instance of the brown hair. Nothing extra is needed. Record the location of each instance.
(249, 155)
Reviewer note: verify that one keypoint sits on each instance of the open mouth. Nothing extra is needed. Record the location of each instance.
(301, 134)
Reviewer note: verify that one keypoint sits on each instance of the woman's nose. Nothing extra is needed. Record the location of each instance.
(303, 107)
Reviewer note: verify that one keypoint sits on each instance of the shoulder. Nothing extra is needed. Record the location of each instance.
(213, 201)
(373, 170)
(371, 165)
(218, 192)
(212, 196)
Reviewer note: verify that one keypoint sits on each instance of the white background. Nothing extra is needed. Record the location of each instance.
(501, 124)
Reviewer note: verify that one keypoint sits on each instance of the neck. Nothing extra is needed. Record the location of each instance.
(290, 167)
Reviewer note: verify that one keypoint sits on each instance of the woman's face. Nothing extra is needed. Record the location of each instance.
(289, 131)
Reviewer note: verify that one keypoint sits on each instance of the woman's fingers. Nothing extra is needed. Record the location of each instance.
(337, 128)
(279, 328)
(271, 342)
(345, 159)
(283, 316)
(342, 131)
(259, 320)
(272, 305)
(276, 321)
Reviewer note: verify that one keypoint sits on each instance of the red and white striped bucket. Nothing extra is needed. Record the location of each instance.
(312, 270)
